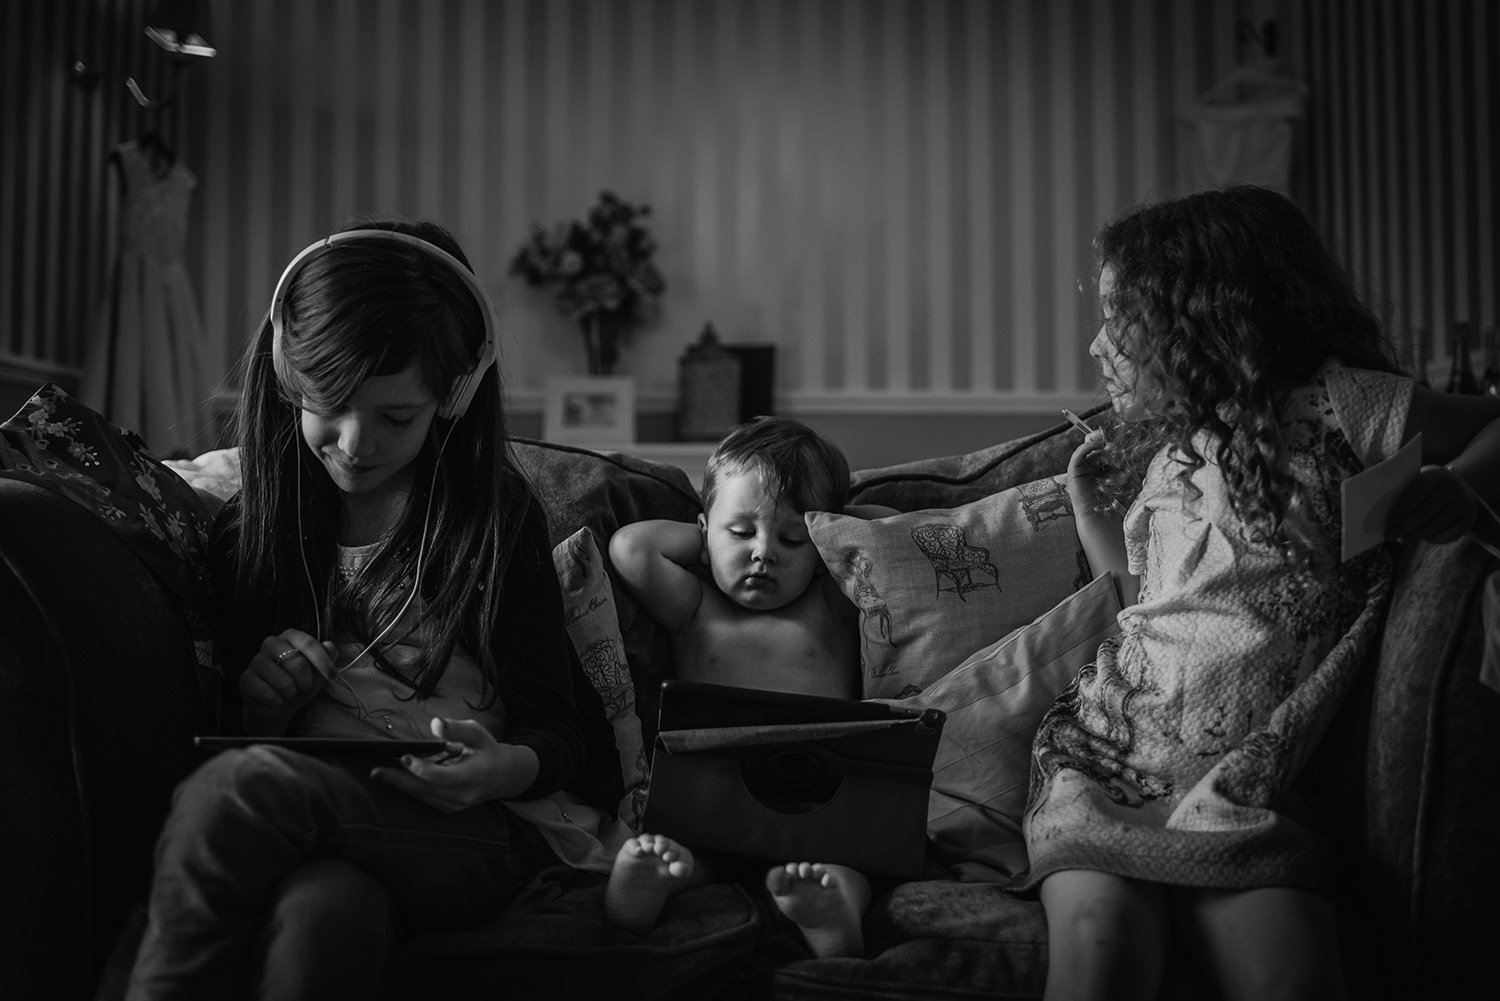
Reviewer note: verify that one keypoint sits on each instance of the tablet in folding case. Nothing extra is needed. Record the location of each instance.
(793, 778)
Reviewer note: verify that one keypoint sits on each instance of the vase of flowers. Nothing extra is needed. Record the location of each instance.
(601, 271)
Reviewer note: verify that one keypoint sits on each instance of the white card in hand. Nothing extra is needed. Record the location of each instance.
(1369, 496)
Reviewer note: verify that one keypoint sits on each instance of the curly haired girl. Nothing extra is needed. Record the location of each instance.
(1167, 802)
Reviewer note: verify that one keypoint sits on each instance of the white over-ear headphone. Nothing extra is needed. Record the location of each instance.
(461, 393)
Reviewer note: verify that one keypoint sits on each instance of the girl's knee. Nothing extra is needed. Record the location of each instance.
(240, 786)
(228, 774)
(1101, 928)
(1105, 909)
(1270, 944)
(211, 781)
(1107, 936)
(1291, 978)
(1097, 951)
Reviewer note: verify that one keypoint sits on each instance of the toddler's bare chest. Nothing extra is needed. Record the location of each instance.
(787, 650)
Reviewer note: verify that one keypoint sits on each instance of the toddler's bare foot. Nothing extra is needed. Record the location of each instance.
(828, 902)
(649, 870)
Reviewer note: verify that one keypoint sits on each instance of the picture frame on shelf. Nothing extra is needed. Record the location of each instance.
(589, 409)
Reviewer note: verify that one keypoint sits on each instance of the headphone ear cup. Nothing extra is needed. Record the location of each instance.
(462, 392)
(454, 404)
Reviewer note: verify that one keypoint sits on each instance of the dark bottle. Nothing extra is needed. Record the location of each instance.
(1424, 356)
(1489, 382)
(1461, 372)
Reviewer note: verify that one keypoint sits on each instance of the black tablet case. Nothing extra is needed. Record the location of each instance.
(793, 778)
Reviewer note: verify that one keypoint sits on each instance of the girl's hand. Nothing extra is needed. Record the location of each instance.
(474, 768)
(286, 673)
(1436, 506)
(1083, 467)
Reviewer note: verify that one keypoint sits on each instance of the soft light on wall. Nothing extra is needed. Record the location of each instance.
(899, 194)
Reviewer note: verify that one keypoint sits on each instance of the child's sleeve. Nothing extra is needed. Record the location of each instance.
(1371, 407)
(536, 661)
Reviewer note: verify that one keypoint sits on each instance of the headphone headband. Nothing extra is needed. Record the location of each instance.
(461, 393)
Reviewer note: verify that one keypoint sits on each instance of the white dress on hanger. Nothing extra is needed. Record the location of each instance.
(1240, 132)
(146, 368)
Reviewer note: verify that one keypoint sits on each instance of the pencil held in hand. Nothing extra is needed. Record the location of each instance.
(1076, 421)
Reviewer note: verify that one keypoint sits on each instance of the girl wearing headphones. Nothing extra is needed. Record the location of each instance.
(385, 573)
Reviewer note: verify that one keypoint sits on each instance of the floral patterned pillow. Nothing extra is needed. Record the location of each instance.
(589, 611)
(61, 444)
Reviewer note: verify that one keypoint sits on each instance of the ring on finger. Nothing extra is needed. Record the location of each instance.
(283, 655)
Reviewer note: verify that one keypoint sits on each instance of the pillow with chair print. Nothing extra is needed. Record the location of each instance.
(986, 611)
(934, 586)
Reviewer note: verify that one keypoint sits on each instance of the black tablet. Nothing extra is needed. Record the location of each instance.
(361, 747)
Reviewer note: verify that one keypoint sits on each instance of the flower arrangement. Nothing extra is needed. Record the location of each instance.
(601, 272)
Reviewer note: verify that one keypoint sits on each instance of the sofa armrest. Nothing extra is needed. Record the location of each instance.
(99, 700)
(1432, 758)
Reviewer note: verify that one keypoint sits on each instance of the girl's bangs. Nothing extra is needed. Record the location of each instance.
(322, 368)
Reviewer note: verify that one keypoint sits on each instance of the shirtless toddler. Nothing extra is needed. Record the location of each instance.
(747, 601)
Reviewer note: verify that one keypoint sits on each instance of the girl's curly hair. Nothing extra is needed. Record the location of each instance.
(1222, 301)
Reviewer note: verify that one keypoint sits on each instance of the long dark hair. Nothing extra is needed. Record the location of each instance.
(1224, 300)
(361, 308)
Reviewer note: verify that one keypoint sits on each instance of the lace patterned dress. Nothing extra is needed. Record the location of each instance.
(1174, 757)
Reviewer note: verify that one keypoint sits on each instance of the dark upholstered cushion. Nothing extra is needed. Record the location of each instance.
(959, 479)
(553, 942)
(601, 492)
(930, 939)
(99, 700)
(1426, 741)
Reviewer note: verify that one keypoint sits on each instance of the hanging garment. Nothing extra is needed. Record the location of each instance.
(1240, 132)
(146, 368)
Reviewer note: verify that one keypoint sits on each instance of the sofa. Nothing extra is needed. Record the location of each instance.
(103, 686)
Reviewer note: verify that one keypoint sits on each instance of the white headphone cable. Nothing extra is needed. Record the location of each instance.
(421, 556)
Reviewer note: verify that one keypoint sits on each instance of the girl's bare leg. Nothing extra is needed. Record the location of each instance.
(827, 902)
(1268, 944)
(1107, 936)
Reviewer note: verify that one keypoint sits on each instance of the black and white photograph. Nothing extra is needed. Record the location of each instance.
(590, 410)
(749, 500)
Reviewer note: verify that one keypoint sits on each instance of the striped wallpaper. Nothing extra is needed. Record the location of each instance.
(898, 193)
(1405, 115)
(64, 105)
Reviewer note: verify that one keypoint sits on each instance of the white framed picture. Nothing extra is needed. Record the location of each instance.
(589, 410)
